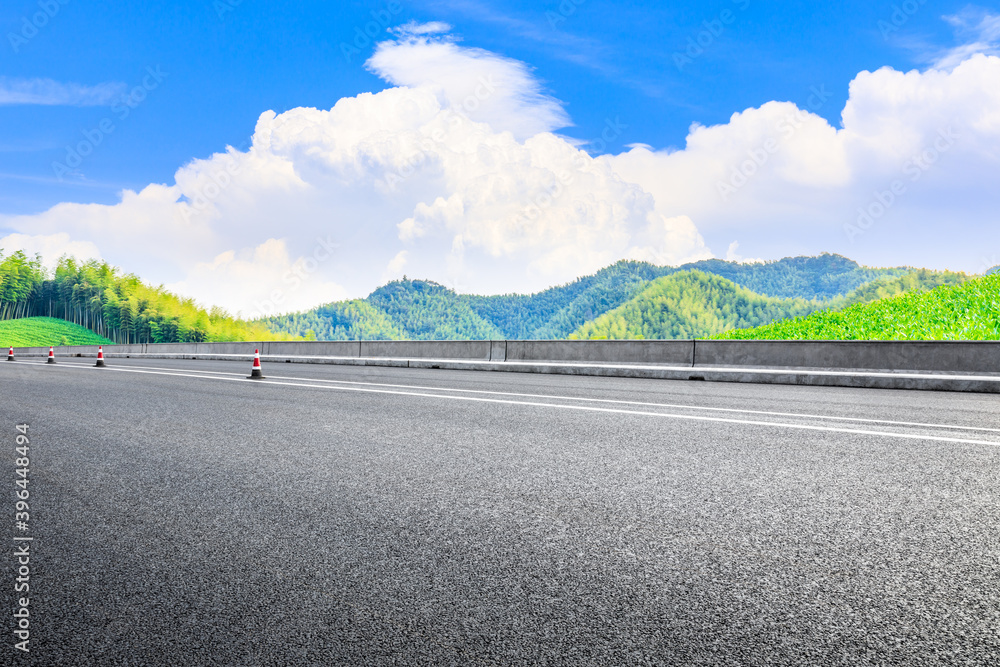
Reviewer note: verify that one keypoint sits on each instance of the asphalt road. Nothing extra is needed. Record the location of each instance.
(335, 515)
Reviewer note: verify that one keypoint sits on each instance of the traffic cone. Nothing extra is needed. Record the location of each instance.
(255, 373)
(100, 357)
(10, 355)
(52, 355)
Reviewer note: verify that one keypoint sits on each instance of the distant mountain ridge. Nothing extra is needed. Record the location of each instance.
(425, 310)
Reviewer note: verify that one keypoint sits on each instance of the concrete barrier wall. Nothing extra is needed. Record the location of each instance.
(944, 356)
(478, 350)
(343, 348)
(955, 356)
(669, 352)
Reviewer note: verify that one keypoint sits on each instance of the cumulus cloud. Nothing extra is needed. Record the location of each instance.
(257, 282)
(53, 93)
(916, 154)
(487, 87)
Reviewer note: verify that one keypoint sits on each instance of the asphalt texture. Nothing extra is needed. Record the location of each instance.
(334, 515)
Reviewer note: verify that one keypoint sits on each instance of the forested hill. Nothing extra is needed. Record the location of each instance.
(693, 304)
(116, 306)
(417, 309)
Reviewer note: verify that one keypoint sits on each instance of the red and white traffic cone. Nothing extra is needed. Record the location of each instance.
(255, 373)
(52, 355)
(100, 357)
(10, 355)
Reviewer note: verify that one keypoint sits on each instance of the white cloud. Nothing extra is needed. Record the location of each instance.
(487, 87)
(787, 182)
(257, 282)
(415, 29)
(394, 269)
(53, 93)
(733, 255)
(51, 247)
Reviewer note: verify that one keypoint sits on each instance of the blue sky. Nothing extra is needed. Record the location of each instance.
(150, 87)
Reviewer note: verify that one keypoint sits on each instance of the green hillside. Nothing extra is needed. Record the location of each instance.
(424, 310)
(966, 311)
(691, 304)
(411, 308)
(42, 331)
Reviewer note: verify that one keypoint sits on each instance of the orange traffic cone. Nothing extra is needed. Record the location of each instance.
(255, 373)
(52, 355)
(100, 357)
(10, 355)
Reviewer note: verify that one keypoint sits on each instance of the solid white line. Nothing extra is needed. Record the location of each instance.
(564, 364)
(681, 406)
(582, 408)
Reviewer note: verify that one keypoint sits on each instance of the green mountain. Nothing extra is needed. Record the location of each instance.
(968, 310)
(556, 312)
(419, 309)
(424, 310)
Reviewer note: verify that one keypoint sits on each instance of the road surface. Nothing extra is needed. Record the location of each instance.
(337, 515)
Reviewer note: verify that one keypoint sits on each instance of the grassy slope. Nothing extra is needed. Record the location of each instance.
(969, 311)
(41, 331)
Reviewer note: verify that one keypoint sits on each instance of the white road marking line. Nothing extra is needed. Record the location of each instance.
(582, 408)
(210, 356)
(860, 420)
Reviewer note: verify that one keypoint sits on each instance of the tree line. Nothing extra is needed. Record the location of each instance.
(96, 295)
